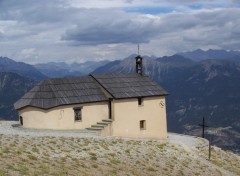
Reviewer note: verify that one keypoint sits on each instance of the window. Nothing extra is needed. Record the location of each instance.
(140, 101)
(77, 114)
(142, 124)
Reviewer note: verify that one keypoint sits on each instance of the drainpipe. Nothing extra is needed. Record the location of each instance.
(110, 108)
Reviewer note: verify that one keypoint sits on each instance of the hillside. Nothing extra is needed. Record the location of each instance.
(40, 152)
(21, 68)
(12, 87)
(206, 88)
(16, 78)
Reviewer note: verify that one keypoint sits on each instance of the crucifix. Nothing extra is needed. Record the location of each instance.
(203, 125)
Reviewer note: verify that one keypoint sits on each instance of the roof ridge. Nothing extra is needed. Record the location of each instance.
(101, 86)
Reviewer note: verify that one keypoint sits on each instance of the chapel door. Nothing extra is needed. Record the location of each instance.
(21, 120)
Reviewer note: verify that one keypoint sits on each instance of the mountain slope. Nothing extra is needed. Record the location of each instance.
(12, 87)
(9, 65)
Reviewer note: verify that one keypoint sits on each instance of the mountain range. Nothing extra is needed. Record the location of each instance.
(21, 68)
(62, 69)
(199, 55)
(200, 83)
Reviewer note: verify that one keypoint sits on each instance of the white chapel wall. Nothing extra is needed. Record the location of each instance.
(62, 117)
(127, 115)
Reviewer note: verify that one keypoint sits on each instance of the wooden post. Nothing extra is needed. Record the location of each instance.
(209, 150)
(203, 127)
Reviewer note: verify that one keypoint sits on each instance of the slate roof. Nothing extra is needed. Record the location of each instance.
(62, 91)
(65, 91)
(121, 85)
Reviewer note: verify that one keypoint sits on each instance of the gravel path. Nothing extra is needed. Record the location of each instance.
(13, 128)
(188, 142)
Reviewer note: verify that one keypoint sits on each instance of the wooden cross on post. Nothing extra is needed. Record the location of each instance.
(203, 125)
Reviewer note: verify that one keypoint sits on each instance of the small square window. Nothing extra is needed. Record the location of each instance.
(77, 114)
(140, 101)
(142, 124)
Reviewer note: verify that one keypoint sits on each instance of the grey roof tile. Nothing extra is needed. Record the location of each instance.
(129, 85)
(62, 91)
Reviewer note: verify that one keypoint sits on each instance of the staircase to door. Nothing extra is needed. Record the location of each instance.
(100, 126)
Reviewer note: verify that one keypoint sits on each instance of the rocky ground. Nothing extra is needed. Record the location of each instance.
(46, 152)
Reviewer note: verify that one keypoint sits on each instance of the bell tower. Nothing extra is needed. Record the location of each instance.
(139, 65)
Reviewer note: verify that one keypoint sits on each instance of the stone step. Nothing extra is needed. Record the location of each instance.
(98, 126)
(103, 123)
(94, 129)
(107, 120)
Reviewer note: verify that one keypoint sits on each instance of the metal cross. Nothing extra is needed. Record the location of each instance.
(203, 125)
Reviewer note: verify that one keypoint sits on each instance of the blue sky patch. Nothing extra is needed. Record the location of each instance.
(148, 10)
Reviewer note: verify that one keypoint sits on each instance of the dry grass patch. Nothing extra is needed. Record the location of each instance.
(105, 156)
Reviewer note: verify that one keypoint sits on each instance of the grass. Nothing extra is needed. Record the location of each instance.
(23, 170)
(32, 157)
(94, 165)
(35, 149)
(93, 158)
(3, 173)
(161, 146)
(87, 156)
(151, 169)
(115, 161)
(217, 162)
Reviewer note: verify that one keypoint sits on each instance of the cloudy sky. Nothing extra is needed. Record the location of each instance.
(37, 31)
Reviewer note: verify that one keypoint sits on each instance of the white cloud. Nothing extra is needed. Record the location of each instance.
(103, 4)
(109, 27)
(200, 27)
(29, 51)
(30, 55)
(76, 30)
